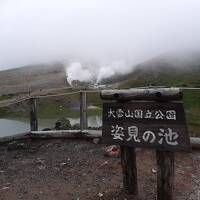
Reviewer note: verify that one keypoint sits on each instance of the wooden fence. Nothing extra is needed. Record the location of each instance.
(83, 111)
(83, 115)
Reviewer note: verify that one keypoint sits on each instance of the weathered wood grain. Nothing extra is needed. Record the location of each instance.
(165, 175)
(33, 115)
(64, 134)
(129, 169)
(83, 111)
(152, 94)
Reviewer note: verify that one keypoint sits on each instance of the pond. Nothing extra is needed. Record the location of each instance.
(14, 126)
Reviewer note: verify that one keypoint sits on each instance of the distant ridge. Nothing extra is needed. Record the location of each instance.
(170, 69)
(32, 78)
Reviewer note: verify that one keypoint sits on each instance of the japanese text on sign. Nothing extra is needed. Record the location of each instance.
(167, 135)
(141, 114)
(160, 125)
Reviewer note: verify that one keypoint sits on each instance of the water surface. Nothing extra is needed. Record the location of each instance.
(14, 126)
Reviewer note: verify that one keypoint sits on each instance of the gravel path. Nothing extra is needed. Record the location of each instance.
(78, 170)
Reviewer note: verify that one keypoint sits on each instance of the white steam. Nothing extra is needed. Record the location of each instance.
(95, 72)
(76, 71)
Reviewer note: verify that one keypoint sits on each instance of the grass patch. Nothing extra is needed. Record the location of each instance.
(6, 96)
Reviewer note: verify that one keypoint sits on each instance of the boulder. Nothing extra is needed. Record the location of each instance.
(63, 124)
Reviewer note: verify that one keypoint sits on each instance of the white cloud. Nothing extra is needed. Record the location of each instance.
(95, 30)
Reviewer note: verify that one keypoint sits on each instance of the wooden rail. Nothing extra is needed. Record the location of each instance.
(139, 93)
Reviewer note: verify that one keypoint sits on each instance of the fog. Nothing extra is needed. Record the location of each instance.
(114, 34)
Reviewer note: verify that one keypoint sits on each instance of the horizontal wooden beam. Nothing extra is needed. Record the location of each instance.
(195, 142)
(150, 94)
(53, 134)
(68, 134)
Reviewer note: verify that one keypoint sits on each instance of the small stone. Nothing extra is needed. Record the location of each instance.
(39, 161)
(5, 188)
(112, 151)
(41, 167)
(96, 140)
(104, 163)
(153, 171)
(100, 195)
(63, 164)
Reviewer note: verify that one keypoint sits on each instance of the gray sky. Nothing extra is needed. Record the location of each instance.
(36, 31)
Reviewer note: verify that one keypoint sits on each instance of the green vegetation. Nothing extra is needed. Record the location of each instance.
(192, 107)
(167, 77)
(6, 96)
(55, 107)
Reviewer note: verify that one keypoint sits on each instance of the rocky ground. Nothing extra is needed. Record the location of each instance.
(78, 170)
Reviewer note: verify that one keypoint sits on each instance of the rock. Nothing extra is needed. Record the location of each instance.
(103, 164)
(46, 129)
(96, 140)
(16, 145)
(63, 164)
(112, 151)
(76, 126)
(63, 124)
(40, 161)
(5, 188)
(153, 171)
(41, 167)
(100, 195)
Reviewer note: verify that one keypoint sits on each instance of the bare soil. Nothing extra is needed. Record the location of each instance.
(78, 170)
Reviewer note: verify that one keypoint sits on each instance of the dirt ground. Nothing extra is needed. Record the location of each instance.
(78, 170)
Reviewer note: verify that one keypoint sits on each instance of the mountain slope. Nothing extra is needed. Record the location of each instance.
(32, 78)
(181, 70)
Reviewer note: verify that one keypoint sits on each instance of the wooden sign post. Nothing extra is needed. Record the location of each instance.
(83, 111)
(151, 118)
(33, 115)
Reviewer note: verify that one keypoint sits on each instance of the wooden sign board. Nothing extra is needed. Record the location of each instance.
(158, 125)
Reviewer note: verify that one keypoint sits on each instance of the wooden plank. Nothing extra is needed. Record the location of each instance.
(129, 169)
(83, 111)
(165, 175)
(33, 115)
(152, 94)
(65, 134)
(146, 124)
(87, 133)
(195, 142)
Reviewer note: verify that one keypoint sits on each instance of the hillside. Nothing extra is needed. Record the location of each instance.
(32, 78)
(181, 69)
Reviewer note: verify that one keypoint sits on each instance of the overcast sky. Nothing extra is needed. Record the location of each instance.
(36, 31)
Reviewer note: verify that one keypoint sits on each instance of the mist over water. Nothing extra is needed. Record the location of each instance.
(96, 38)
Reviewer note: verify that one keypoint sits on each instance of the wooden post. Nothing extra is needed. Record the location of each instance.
(165, 175)
(129, 169)
(157, 98)
(83, 111)
(33, 115)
